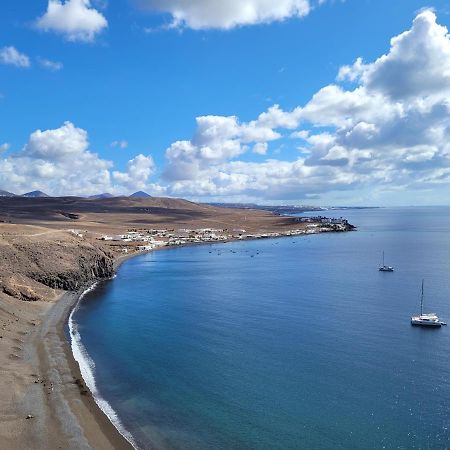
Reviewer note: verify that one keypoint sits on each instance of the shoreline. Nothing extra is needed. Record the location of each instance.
(95, 425)
(46, 404)
(86, 366)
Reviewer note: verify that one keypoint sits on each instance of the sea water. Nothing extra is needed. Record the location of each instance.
(281, 343)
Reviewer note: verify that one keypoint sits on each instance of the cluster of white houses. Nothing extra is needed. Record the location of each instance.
(144, 240)
(151, 239)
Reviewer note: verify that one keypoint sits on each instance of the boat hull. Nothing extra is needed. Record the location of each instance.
(430, 320)
(425, 324)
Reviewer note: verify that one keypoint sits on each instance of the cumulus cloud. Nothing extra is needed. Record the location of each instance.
(390, 132)
(418, 63)
(138, 172)
(76, 20)
(11, 56)
(204, 14)
(217, 139)
(60, 162)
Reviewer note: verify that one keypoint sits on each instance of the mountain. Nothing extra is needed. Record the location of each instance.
(99, 196)
(140, 194)
(6, 194)
(35, 194)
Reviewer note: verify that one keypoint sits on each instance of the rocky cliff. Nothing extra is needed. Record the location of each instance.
(31, 267)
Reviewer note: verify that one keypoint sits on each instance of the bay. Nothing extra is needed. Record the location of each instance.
(282, 343)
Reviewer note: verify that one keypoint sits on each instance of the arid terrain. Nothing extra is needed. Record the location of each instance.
(50, 250)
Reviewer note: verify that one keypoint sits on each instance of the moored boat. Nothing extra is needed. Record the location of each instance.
(426, 320)
(384, 267)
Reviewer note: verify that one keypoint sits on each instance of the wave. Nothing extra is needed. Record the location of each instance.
(87, 368)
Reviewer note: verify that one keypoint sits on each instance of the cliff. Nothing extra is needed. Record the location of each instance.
(32, 266)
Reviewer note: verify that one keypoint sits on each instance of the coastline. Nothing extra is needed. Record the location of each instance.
(46, 404)
(52, 250)
(109, 424)
(61, 414)
(66, 414)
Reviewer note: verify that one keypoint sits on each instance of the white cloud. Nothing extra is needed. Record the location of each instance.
(260, 148)
(120, 144)
(77, 20)
(217, 139)
(11, 56)
(57, 144)
(204, 14)
(417, 65)
(390, 133)
(139, 170)
(54, 66)
(353, 72)
(60, 162)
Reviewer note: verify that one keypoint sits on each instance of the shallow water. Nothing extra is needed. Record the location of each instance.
(282, 343)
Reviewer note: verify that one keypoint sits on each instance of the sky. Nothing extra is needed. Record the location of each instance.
(318, 102)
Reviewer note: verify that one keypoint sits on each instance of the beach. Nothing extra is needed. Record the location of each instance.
(41, 373)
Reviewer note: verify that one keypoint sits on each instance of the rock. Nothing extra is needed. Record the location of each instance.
(90, 268)
(32, 269)
(29, 416)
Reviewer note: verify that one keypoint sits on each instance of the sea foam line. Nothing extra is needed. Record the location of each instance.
(87, 369)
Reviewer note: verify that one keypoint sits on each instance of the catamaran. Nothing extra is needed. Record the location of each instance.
(426, 320)
(384, 267)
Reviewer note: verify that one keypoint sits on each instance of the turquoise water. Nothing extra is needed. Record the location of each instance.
(283, 343)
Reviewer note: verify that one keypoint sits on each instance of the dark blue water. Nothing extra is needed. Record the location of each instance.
(285, 343)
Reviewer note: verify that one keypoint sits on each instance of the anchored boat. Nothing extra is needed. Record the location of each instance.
(384, 267)
(426, 320)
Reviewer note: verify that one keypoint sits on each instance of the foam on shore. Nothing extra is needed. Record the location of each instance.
(87, 369)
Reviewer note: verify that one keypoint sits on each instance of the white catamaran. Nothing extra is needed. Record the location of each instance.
(426, 320)
(384, 267)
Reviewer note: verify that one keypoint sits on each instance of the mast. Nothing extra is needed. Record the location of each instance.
(421, 301)
(383, 258)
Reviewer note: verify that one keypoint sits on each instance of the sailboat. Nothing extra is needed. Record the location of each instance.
(384, 267)
(426, 320)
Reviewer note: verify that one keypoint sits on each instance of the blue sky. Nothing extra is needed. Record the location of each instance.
(136, 74)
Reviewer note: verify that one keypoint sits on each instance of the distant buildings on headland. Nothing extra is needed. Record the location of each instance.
(323, 220)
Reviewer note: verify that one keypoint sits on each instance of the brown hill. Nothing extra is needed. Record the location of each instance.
(114, 214)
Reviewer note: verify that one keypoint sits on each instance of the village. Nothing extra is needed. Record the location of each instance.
(149, 239)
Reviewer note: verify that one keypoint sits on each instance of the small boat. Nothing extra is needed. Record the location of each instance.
(384, 267)
(426, 320)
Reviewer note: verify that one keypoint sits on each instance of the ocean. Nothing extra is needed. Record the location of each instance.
(289, 343)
